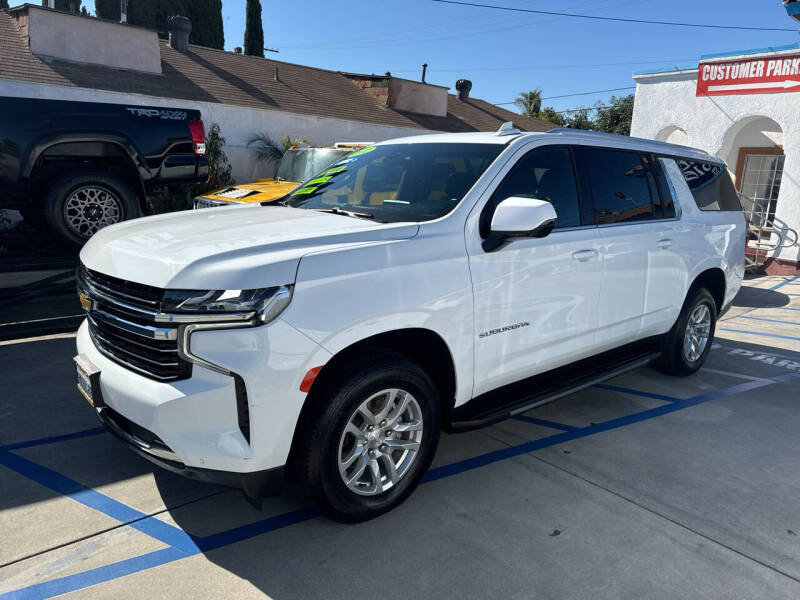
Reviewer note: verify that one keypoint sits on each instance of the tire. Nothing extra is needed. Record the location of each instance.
(79, 204)
(324, 444)
(678, 356)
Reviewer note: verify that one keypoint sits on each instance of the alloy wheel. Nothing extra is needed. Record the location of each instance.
(698, 331)
(380, 442)
(90, 208)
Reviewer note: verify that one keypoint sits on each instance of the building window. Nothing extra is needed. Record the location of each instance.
(759, 179)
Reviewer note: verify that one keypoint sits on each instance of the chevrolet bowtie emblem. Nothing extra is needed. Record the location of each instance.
(86, 302)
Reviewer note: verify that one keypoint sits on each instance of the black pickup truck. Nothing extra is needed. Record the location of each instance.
(80, 166)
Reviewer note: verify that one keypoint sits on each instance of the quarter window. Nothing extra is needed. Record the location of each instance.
(710, 184)
(545, 174)
(622, 186)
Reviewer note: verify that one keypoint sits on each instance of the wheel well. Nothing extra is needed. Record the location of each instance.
(421, 345)
(714, 281)
(70, 157)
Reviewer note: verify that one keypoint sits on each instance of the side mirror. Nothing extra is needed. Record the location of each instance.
(523, 217)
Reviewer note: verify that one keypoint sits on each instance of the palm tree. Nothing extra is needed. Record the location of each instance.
(268, 149)
(530, 103)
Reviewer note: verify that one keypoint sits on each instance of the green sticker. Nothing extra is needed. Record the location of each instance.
(362, 151)
(318, 180)
(335, 170)
(305, 190)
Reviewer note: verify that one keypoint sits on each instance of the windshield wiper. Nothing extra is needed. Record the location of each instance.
(348, 213)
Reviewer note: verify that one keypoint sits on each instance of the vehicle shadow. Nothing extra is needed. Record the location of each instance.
(316, 557)
(753, 297)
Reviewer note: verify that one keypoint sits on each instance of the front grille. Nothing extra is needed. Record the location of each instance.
(120, 323)
(201, 202)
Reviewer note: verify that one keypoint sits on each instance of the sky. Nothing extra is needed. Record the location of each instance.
(505, 53)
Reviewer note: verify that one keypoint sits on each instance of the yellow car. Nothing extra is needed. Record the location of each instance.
(296, 166)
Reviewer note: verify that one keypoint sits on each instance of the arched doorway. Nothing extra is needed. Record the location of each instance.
(755, 151)
(674, 135)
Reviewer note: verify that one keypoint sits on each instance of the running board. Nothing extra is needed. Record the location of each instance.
(546, 395)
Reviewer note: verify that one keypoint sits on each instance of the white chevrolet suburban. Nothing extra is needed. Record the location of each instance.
(428, 283)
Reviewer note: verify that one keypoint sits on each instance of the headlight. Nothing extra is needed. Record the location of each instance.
(261, 304)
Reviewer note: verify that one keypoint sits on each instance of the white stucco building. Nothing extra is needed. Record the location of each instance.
(743, 107)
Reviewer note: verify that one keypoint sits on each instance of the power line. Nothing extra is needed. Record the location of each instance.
(617, 19)
(536, 67)
(630, 87)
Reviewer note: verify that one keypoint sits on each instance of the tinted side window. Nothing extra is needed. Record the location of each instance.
(545, 174)
(664, 203)
(711, 185)
(621, 186)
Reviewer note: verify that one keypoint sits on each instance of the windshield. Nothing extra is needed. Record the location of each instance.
(400, 182)
(298, 164)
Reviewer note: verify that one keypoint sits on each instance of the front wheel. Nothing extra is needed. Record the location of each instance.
(371, 441)
(686, 346)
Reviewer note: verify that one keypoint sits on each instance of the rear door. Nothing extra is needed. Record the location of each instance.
(641, 262)
(535, 299)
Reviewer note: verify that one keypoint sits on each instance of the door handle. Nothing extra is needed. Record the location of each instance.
(665, 243)
(584, 255)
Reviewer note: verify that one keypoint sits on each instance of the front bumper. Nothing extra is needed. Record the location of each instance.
(256, 484)
(196, 419)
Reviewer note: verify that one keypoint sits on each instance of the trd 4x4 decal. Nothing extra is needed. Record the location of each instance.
(172, 115)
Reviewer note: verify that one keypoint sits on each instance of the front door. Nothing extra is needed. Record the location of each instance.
(535, 299)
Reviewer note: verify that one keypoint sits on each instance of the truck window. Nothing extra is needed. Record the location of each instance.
(711, 185)
(622, 186)
(545, 174)
(402, 182)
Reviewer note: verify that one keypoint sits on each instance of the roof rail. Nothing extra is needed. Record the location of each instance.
(617, 136)
(508, 128)
(586, 131)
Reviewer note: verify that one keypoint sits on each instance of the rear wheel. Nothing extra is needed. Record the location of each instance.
(79, 205)
(371, 440)
(686, 346)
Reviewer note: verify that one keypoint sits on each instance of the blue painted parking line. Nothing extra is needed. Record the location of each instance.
(129, 566)
(783, 283)
(164, 532)
(545, 423)
(54, 439)
(794, 323)
(783, 308)
(616, 388)
(764, 333)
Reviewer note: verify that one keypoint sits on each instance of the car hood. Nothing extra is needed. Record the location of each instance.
(231, 247)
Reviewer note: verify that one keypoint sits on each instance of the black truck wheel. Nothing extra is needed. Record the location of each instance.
(80, 204)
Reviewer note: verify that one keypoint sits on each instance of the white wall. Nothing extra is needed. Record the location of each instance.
(237, 124)
(78, 39)
(714, 124)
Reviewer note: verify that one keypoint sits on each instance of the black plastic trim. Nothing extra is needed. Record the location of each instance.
(504, 402)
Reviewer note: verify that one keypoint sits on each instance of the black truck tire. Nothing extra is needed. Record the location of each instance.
(79, 204)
